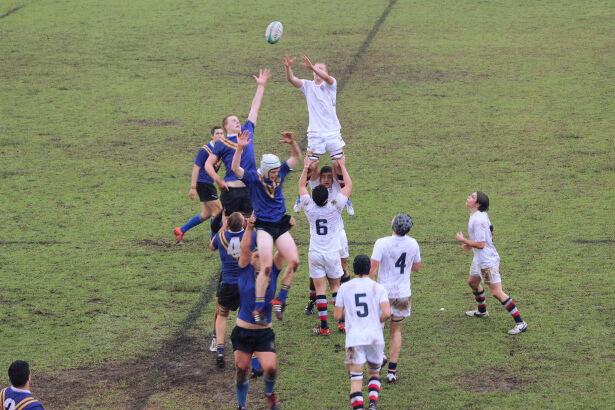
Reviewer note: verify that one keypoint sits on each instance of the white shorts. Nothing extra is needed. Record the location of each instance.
(490, 275)
(344, 244)
(401, 307)
(321, 142)
(325, 264)
(367, 353)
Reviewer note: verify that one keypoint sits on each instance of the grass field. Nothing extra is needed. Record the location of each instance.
(105, 103)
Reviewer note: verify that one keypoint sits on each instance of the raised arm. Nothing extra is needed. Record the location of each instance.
(321, 73)
(261, 80)
(288, 62)
(209, 168)
(243, 141)
(347, 181)
(246, 244)
(303, 178)
(295, 151)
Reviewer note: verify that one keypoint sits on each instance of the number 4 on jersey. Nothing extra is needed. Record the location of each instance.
(401, 263)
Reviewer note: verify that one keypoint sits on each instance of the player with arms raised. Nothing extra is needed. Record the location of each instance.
(325, 243)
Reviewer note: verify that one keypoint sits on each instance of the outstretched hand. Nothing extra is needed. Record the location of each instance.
(263, 76)
(288, 61)
(243, 139)
(307, 63)
(287, 137)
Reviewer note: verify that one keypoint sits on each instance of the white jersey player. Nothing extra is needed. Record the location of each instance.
(321, 97)
(396, 257)
(324, 255)
(486, 263)
(365, 306)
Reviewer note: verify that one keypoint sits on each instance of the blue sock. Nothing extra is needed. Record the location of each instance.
(256, 365)
(214, 332)
(283, 293)
(220, 350)
(241, 392)
(259, 303)
(269, 385)
(191, 223)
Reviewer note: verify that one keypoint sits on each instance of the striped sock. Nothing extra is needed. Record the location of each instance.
(333, 298)
(373, 387)
(321, 305)
(220, 348)
(259, 303)
(356, 400)
(509, 304)
(392, 368)
(312, 295)
(283, 293)
(481, 300)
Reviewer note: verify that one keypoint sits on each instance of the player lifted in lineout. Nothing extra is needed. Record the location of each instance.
(272, 224)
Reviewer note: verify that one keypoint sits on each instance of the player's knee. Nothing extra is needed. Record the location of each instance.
(222, 311)
(313, 157)
(337, 155)
(293, 263)
(374, 367)
(271, 373)
(356, 375)
(241, 373)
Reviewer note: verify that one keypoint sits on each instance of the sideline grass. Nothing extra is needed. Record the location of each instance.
(105, 103)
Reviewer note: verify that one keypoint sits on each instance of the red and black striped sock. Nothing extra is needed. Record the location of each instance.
(356, 400)
(321, 305)
(481, 300)
(509, 304)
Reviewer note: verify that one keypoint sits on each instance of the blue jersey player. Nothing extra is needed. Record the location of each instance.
(203, 185)
(248, 336)
(18, 395)
(234, 195)
(227, 243)
(272, 223)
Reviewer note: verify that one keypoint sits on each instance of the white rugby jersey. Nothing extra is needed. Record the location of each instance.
(321, 100)
(479, 231)
(333, 192)
(324, 223)
(396, 255)
(361, 298)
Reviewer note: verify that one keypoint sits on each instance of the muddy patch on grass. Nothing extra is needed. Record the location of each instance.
(492, 380)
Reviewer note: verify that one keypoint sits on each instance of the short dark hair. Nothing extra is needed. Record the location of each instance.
(217, 127)
(320, 195)
(235, 221)
(19, 371)
(326, 168)
(483, 200)
(361, 265)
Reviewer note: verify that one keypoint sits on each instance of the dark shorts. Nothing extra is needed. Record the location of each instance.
(253, 340)
(236, 200)
(275, 229)
(207, 192)
(228, 296)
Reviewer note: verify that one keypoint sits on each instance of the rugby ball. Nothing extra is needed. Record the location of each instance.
(273, 34)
